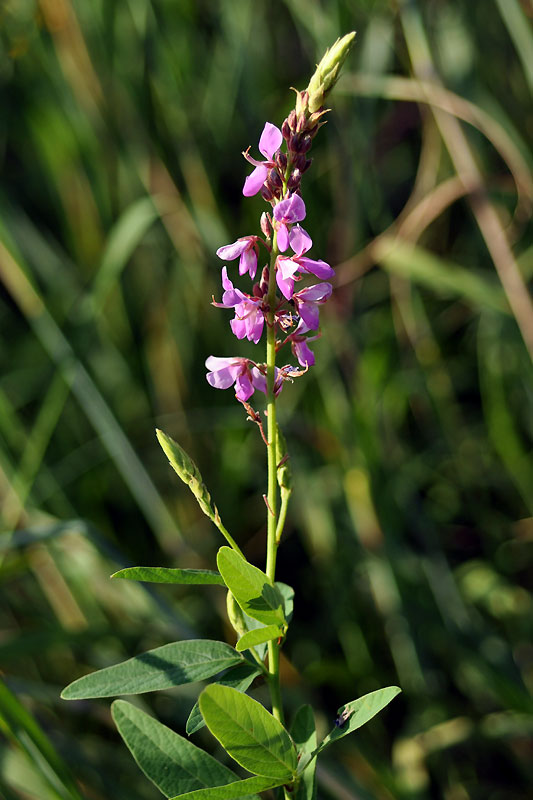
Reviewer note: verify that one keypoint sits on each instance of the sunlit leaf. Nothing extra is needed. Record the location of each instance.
(252, 589)
(241, 677)
(164, 575)
(249, 733)
(353, 715)
(231, 790)
(162, 668)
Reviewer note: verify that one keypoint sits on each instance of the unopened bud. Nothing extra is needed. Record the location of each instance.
(265, 275)
(327, 71)
(281, 161)
(291, 120)
(298, 161)
(302, 98)
(186, 469)
(302, 123)
(266, 227)
(235, 615)
(294, 180)
(285, 129)
(274, 179)
(266, 194)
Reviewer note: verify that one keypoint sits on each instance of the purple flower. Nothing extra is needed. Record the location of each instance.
(300, 347)
(287, 266)
(286, 212)
(224, 372)
(249, 316)
(281, 374)
(269, 144)
(307, 301)
(247, 249)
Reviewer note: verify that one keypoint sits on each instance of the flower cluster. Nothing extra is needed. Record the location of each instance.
(293, 313)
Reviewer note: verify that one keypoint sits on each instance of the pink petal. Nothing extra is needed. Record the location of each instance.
(221, 379)
(286, 266)
(283, 237)
(238, 326)
(243, 387)
(286, 285)
(292, 209)
(248, 262)
(303, 353)
(259, 380)
(318, 293)
(309, 313)
(215, 363)
(318, 268)
(232, 251)
(300, 240)
(270, 140)
(255, 181)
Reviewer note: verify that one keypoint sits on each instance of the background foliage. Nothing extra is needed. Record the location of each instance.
(410, 540)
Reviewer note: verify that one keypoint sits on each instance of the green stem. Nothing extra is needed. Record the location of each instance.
(285, 497)
(272, 496)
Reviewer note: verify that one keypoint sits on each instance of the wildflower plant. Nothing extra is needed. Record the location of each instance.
(259, 608)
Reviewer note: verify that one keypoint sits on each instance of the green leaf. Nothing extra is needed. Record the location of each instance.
(258, 636)
(303, 732)
(287, 593)
(249, 733)
(358, 712)
(252, 589)
(239, 678)
(237, 789)
(173, 763)
(163, 575)
(162, 668)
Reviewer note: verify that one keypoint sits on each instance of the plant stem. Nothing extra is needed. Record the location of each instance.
(272, 496)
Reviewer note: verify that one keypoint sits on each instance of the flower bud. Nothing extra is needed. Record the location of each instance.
(285, 129)
(302, 99)
(298, 161)
(266, 227)
(327, 72)
(281, 161)
(235, 615)
(266, 194)
(294, 180)
(265, 275)
(302, 123)
(275, 179)
(291, 120)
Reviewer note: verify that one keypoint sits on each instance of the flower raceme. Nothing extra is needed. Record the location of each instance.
(293, 314)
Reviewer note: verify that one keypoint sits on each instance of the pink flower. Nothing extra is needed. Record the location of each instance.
(286, 212)
(300, 347)
(249, 317)
(307, 300)
(247, 249)
(224, 372)
(287, 267)
(269, 144)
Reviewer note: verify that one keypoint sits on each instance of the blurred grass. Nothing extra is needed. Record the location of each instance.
(410, 538)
